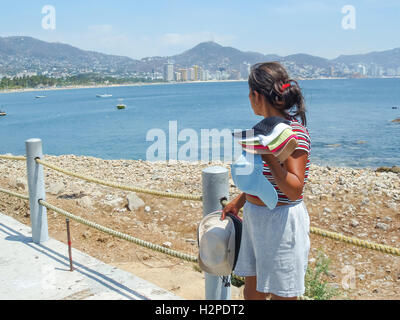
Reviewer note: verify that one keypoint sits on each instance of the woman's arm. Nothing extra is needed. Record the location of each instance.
(290, 176)
(234, 206)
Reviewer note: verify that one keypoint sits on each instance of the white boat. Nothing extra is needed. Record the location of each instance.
(3, 113)
(103, 95)
(38, 97)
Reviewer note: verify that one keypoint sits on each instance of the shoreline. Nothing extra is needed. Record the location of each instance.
(139, 84)
(395, 168)
(213, 162)
(161, 83)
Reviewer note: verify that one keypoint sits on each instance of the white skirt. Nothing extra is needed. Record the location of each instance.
(274, 248)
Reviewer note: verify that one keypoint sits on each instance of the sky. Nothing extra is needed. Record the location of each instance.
(139, 29)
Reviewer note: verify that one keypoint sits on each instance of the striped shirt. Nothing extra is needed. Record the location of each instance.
(304, 143)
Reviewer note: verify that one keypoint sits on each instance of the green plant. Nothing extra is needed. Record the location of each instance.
(317, 287)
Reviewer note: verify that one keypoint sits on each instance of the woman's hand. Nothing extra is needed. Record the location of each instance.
(234, 206)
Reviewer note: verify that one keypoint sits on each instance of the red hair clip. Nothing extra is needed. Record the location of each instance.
(285, 86)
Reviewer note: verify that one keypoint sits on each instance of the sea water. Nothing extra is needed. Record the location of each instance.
(349, 120)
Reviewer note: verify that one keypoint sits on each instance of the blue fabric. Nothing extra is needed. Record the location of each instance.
(247, 174)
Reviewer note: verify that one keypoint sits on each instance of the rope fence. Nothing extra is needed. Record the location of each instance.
(120, 235)
(20, 158)
(184, 256)
(124, 236)
(314, 230)
(120, 186)
(14, 194)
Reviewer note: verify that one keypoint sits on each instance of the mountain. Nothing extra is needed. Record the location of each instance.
(27, 53)
(303, 59)
(213, 56)
(209, 55)
(386, 59)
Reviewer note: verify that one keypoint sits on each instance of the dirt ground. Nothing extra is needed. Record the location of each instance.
(376, 275)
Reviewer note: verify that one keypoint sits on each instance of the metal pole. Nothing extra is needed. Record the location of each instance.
(37, 191)
(71, 268)
(215, 185)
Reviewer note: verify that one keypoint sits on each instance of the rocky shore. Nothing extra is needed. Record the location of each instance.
(362, 203)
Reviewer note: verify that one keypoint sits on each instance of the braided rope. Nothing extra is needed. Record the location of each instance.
(120, 235)
(121, 187)
(14, 194)
(355, 241)
(21, 158)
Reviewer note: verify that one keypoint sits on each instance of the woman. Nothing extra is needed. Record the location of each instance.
(275, 243)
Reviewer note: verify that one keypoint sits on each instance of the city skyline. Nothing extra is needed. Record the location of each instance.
(29, 57)
(139, 30)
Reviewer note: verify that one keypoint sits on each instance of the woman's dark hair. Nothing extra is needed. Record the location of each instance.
(271, 80)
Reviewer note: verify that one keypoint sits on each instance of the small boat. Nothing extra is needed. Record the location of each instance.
(103, 95)
(38, 97)
(121, 106)
(3, 113)
(394, 108)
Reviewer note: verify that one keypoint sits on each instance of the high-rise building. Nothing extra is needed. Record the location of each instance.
(169, 71)
(245, 70)
(178, 76)
(184, 74)
(361, 69)
(191, 74)
(197, 71)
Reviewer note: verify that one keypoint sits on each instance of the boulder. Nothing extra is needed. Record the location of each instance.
(167, 244)
(382, 226)
(85, 202)
(56, 188)
(115, 202)
(19, 183)
(134, 202)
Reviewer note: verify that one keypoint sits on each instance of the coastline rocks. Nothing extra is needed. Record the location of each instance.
(19, 183)
(85, 202)
(382, 226)
(114, 202)
(395, 169)
(56, 188)
(134, 202)
(167, 244)
(354, 223)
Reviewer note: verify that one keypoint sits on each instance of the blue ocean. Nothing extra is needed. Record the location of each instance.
(349, 121)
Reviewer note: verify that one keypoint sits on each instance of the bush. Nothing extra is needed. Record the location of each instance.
(317, 287)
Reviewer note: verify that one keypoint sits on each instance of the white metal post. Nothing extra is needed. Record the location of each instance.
(215, 185)
(36, 190)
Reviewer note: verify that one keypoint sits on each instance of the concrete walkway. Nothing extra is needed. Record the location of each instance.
(41, 271)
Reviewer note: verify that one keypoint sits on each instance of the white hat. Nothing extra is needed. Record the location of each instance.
(219, 243)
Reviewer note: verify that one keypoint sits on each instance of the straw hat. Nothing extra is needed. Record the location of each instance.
(219, 243)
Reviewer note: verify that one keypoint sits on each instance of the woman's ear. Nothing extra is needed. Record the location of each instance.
(257, 97)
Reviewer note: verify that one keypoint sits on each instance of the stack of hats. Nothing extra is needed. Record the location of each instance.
(247, 175)
(272, 135)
